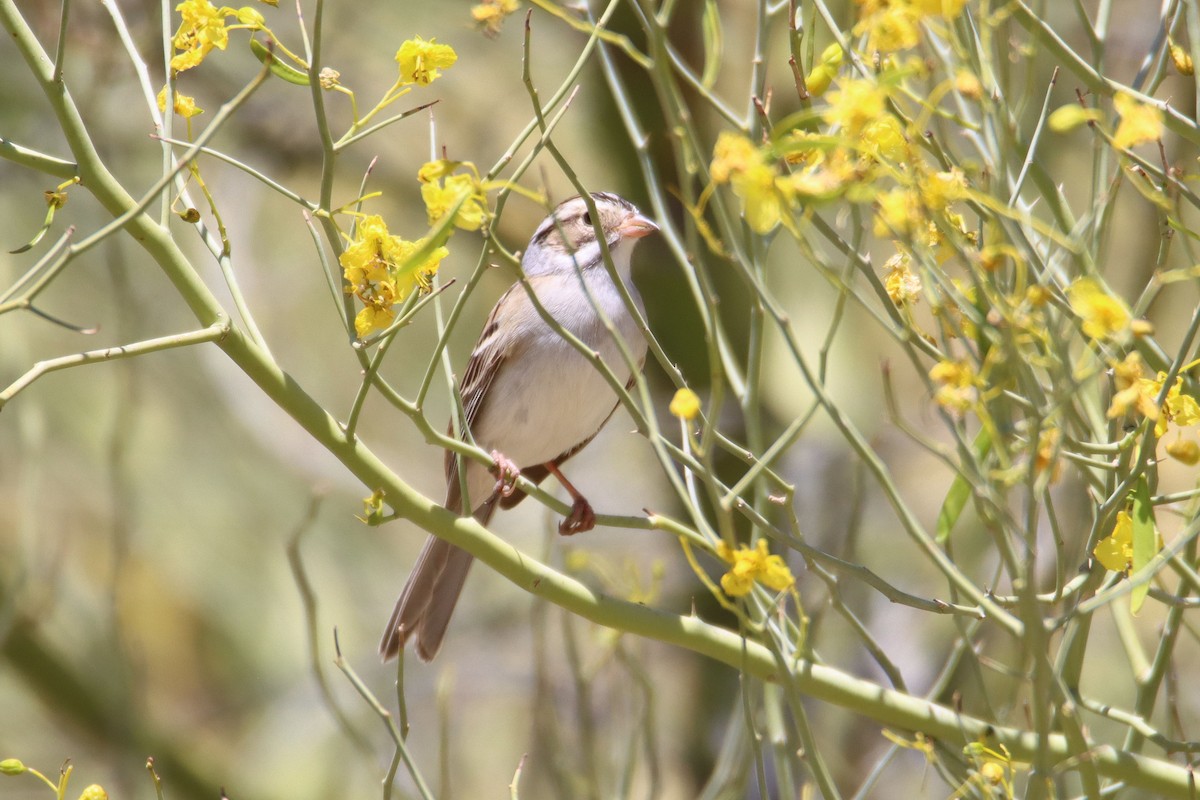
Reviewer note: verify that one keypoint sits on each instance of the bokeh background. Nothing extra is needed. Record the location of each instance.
(148, 606)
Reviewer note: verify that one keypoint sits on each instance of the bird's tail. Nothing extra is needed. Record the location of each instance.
(428, 598)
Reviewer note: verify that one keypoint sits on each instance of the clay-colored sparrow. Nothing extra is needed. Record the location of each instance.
(531, 398)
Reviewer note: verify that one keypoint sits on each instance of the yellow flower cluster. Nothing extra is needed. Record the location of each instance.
(380, 270)
(1135, 392)
(750, 564)
(892, 25)
(203, 27)
(421, 61)
(827, 166)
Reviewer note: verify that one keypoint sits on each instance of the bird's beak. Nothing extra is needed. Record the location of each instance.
(636, 226)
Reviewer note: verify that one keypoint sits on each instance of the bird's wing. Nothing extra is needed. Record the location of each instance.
(491, 351)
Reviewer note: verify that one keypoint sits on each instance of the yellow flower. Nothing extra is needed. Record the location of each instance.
(958, 385)
(884, 138)
(421, 61)
(753, 178)
(753, 564)
(94, 792)
(967, 84)
(1103, 315)
(1116, 551)
(902, 284)
(856, 104)
(202, 28)
(685, 404)
(1139, 123)
(893, 27)
(759, 189)
(1132, 390)
(733, 153)
(184, 105)
(1179, 408)
(1069, 117)
(376, 267)
(490, 14)
(940, 189)
(1185, 451)
(898, 213)
(441, 196)
(948, 9)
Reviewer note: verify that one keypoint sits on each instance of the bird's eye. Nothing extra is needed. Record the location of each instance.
(587, 218)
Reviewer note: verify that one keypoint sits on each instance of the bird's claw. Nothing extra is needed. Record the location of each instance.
(582, 518)
(507, 473)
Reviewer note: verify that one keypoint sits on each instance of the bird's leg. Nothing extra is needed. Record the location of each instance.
(582, 518)
(507, 473)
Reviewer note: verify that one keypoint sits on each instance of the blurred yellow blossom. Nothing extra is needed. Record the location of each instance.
(1179, 408)
(957, 385)
(893, 25)
(856, 103)
(884, 138)
(421, 61)
(490, 14)
(967, 84)
(1115, 551)
(1185, 451)
(184, 105)
(940, 189)
(750, 564)
(1069, 117)
(94, 792)
(897, 213)
(1139, 122)
(902, 284)
(685, 404)
(731, 154)
(1133, 392)
(1103, 315)
(753, 178)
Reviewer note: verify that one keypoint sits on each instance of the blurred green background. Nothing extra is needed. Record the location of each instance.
(147, 605)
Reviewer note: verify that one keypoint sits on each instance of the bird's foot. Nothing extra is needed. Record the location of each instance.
(582, 518)
(507, 473)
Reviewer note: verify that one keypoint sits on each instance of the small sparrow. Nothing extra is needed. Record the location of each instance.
(531, 399)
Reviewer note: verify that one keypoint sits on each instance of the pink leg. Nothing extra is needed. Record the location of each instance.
(507, 473)
(582, 518)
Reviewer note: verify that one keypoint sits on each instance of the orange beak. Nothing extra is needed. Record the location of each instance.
(636, 226)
